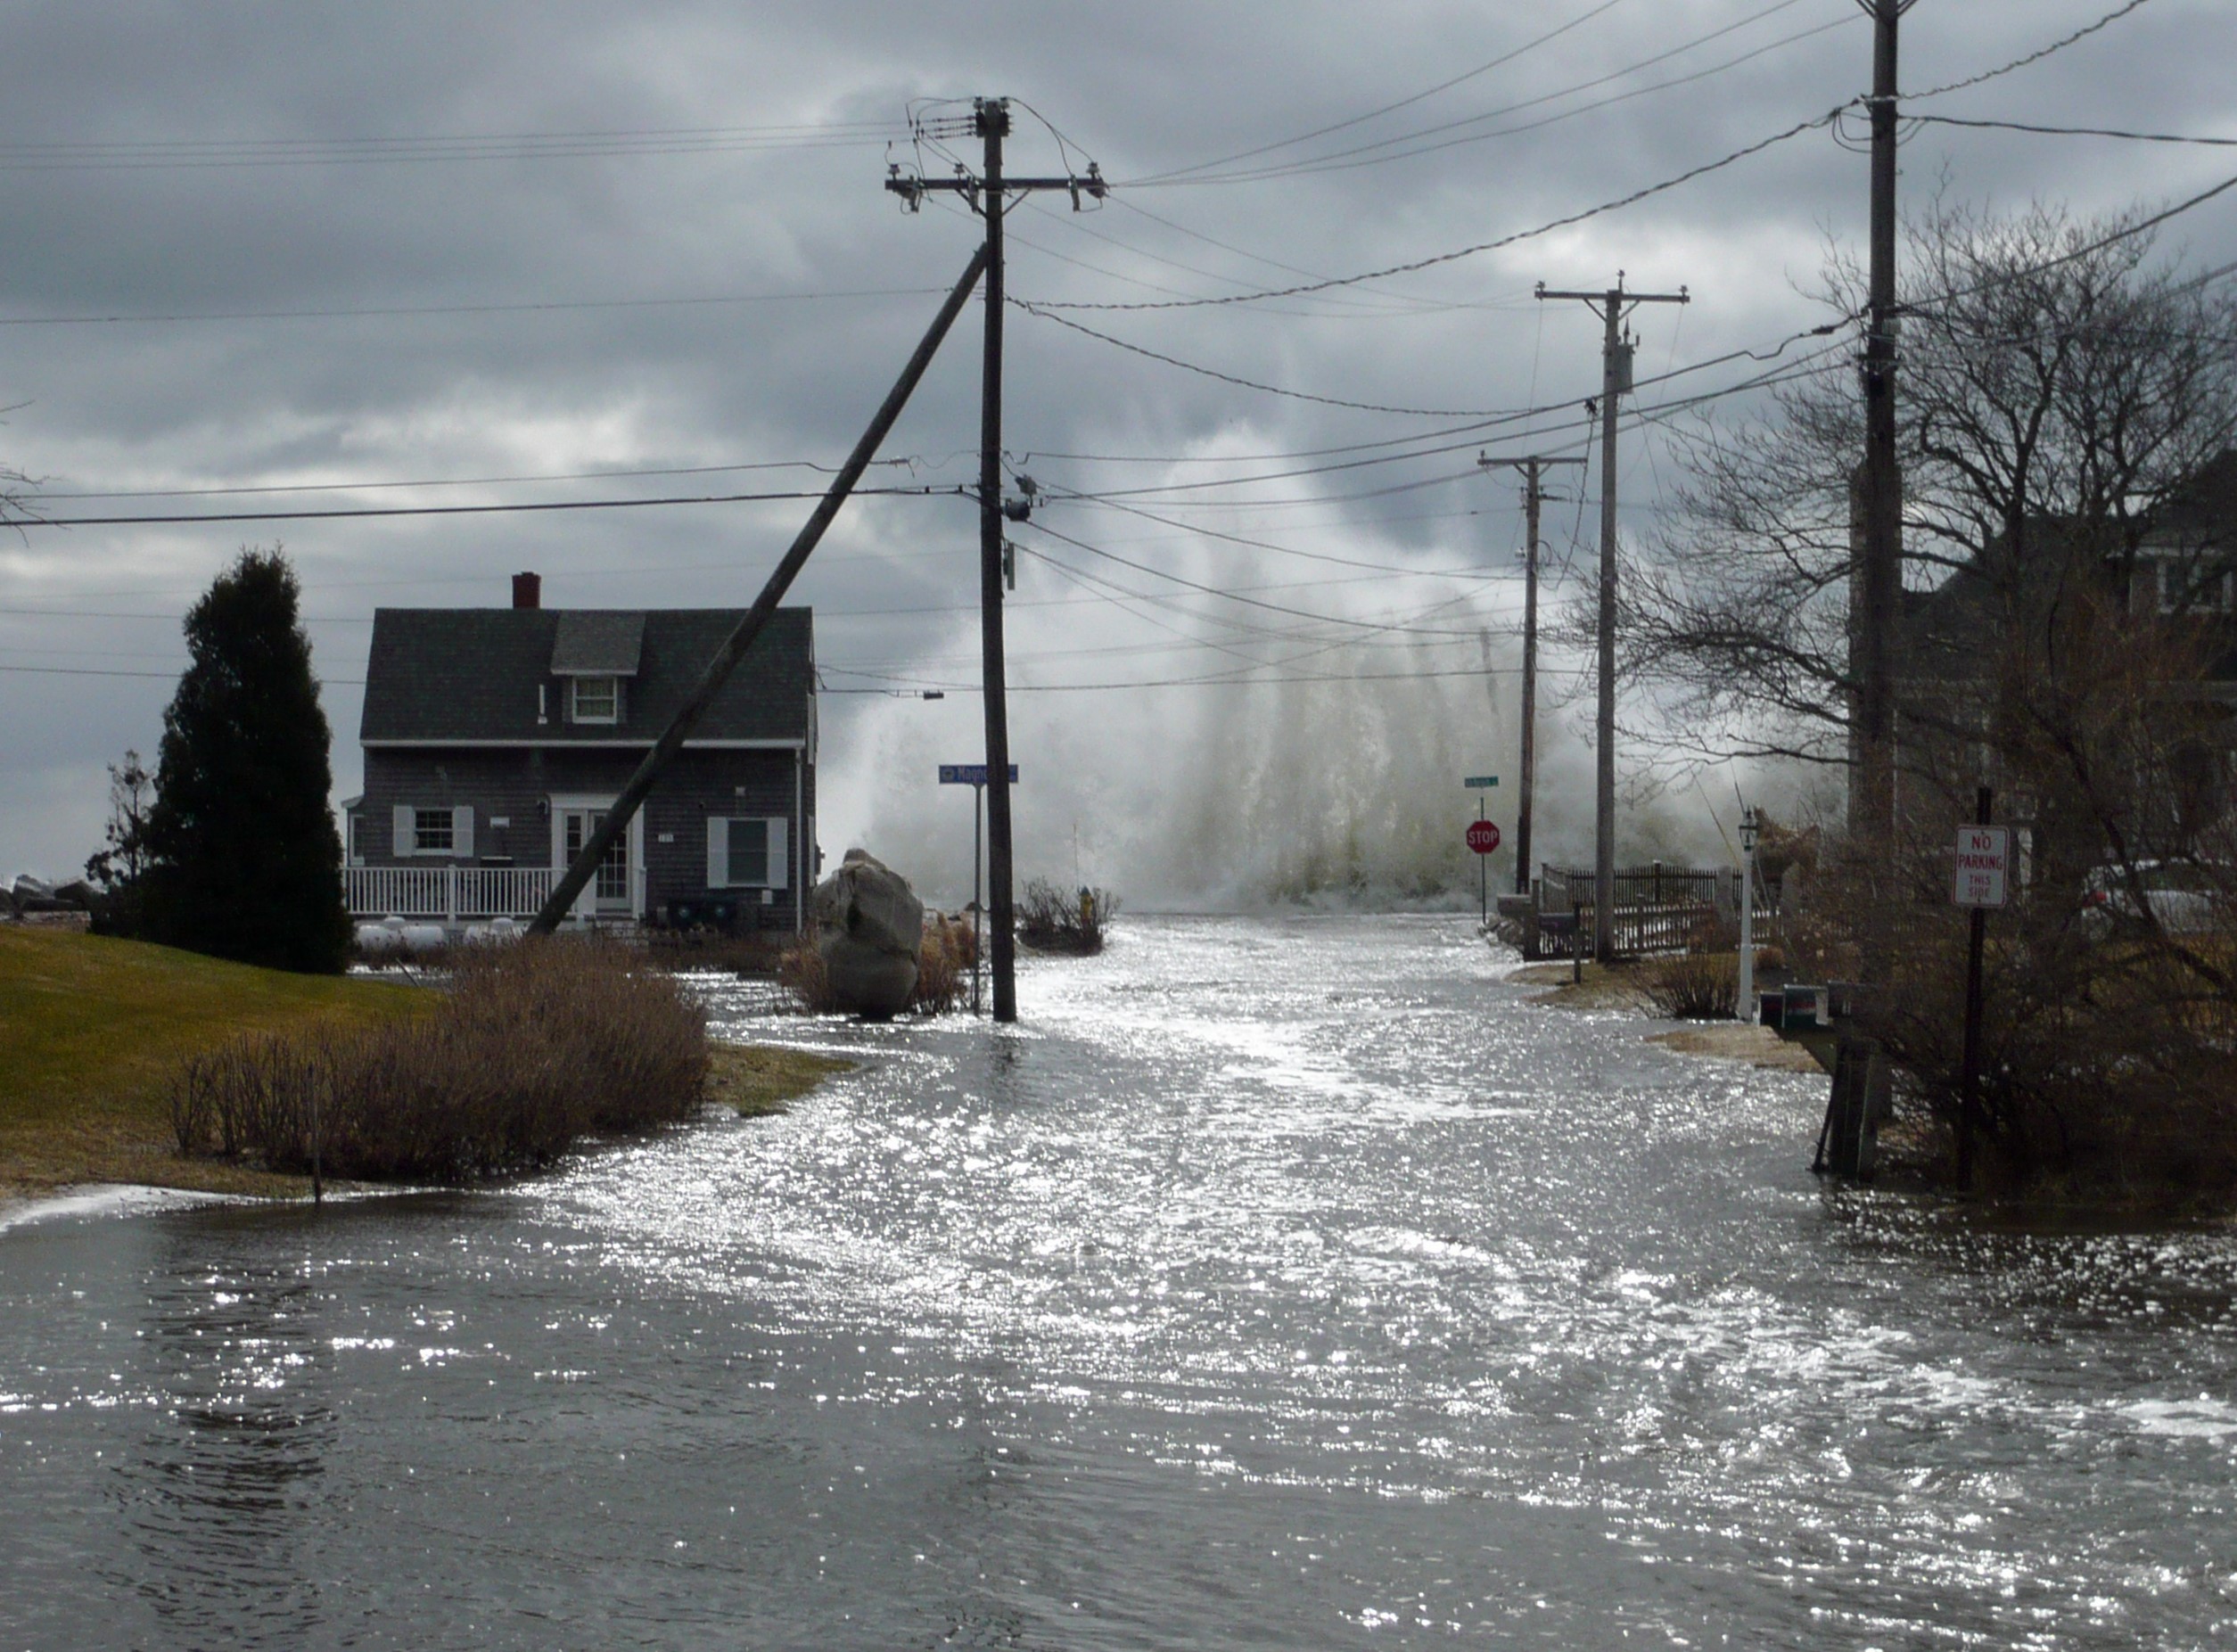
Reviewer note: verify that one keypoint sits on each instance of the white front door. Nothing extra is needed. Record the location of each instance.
(613, 893)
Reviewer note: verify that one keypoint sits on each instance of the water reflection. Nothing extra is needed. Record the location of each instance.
(217, 1500)
(1278, 1283)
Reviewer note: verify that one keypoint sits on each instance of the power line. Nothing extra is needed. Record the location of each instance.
(207, 154)
(524, 307)
(2049, 131)
(449, 482)
(2141, 227)
(1411, 266)
(1242, 384)
(451, 510)
(1209, 590)
(1365, 155)
(1404, 102)
(169, 677)
(2113, 16)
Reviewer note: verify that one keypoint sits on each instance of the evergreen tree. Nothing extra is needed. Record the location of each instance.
(244, 860)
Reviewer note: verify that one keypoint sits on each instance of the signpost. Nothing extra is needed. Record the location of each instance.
(1982, 880)
(974, 775)
(1483, 838)
(1482, 845)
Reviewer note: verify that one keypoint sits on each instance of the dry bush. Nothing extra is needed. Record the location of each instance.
(802, 972)
(941, 977)
(1701, 983)
(1692, 986)
(1052, 921)
(530, 1048)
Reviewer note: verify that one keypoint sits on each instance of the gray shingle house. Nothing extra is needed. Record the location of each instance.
(494, 739)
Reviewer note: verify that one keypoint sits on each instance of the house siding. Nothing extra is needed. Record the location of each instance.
(517, 785)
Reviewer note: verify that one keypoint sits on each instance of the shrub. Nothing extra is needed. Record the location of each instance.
(530, 1048)
(941, 974)
(1692, 986)
(802, 972)
(1052, 921)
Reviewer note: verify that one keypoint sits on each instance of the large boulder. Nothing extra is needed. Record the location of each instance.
(868, 927)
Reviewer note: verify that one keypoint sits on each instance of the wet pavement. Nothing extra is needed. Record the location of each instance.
(1282, 1283)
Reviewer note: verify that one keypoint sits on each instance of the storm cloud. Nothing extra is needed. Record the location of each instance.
(502, 252)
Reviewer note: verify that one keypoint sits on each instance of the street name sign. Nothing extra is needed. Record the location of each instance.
(1984, 865)
(1483, 837)
(969, 774)
(1478, 781)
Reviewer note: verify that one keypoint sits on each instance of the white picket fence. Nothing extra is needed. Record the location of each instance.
(450, 892)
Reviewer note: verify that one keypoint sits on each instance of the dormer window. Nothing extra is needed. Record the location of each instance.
(595, 700)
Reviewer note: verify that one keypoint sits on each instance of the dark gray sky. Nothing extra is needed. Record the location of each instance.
(420, 243)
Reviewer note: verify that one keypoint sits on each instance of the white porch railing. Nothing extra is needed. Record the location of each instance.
(449, 892)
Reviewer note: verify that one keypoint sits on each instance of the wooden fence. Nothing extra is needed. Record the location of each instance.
(1658, 907)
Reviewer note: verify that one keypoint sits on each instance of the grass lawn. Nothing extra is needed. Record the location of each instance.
(88, 1027)
(758, 1080)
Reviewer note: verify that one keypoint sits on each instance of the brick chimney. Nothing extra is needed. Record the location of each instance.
(528, 590)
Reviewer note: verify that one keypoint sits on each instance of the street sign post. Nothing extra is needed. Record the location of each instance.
(1480, 784)
(1984, 863)
(975, 776)
(1483, 838)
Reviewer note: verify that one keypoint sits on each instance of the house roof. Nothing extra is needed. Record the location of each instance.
(592, 643)
(458, 676)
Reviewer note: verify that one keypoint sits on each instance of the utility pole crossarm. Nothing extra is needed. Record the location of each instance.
(1091, 185)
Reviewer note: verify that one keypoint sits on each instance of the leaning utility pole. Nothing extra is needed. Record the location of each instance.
(988, 192)
(1533, 468)
(734, 648)
(1871, 665)
(1616, 357)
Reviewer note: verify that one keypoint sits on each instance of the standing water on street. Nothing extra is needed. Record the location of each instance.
(1277, 1282)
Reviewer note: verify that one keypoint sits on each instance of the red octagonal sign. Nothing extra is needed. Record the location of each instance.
(1483, 837)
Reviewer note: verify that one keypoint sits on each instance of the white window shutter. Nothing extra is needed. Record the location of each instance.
(780, 862)
(403, 840)
(718, 852)
(462, 831)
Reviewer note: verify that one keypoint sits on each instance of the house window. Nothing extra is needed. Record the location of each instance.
(598, 698)
(747, 852)
(433, 831)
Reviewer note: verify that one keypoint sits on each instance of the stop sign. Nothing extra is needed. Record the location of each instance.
(1483, 837)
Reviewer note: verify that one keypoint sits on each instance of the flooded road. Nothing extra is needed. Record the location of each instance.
(1278, 1284)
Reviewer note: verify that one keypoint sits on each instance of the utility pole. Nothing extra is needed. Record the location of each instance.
(988, 194)
(1533, 468)
(1871, 788)
(1612, 307)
